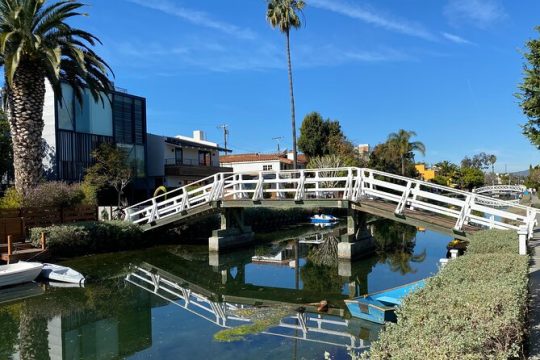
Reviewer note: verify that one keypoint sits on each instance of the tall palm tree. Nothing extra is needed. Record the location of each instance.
(36, 44)
(283, 14)
(402, 141)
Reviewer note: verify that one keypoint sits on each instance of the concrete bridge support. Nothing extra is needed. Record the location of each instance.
(357, 240)
(232, 233)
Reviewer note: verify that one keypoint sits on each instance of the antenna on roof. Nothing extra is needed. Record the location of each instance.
(278, 140)
(225, 128)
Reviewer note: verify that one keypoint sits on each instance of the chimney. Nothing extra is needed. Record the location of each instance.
(198, 135)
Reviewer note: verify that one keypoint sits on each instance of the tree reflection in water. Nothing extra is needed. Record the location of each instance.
(320, 273)
(395, 244)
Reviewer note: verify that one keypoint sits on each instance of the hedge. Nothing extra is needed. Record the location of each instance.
(475, 308)
(89, 237)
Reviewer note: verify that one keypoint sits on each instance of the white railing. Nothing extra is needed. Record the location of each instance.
(500, 189)
(307, 327)
(352, 184)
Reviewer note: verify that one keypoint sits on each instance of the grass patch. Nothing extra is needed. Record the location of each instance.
(475, 308)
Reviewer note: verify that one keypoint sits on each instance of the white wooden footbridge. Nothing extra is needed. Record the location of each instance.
(387, 195)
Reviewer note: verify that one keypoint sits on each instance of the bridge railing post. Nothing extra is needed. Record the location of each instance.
(523, 233)
(317, 185)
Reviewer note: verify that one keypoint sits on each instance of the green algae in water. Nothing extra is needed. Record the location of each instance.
(262, 318)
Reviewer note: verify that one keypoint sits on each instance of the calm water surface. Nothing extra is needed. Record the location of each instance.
(177, 302)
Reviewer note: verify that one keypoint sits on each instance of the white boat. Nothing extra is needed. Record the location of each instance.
(19, 273)
(323, 219)
(62, 274)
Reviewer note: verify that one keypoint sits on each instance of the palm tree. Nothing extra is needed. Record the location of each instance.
(283, 14)
(402, 141)
(37, 44)
(492, 160)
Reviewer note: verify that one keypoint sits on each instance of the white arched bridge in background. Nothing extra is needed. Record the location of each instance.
(365, 190)
(494, 191)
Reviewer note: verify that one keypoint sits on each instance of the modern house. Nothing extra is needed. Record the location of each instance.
(262, 162)
(181, 160)
(364, 151)
(72, 131)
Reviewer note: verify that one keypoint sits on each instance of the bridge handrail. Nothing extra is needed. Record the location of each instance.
(347, 183)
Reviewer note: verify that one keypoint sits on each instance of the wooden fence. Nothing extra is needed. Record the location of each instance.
(15, 222)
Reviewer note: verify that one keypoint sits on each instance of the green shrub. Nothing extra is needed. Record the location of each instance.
(89, 237)
(494, 242)
(90, 194)
(54, 194)
(11, 199)
(475, 308)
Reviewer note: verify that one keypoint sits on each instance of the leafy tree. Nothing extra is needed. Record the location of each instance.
(529, 94)
(533, 180)
(6, 149)
(36, 44)
(314, 133)
(111, 169)
(319, 137)
(480, 161)
(471, 178)
(283, 14)
(385, 157)
(401, 141)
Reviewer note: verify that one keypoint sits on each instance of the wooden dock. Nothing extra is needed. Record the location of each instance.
(15, 251)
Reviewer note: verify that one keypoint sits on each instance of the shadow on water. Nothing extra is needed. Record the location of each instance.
(169, 300)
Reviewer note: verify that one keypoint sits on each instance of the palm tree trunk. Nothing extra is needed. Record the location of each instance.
(295, 155)
(26, 98)
(403, 165)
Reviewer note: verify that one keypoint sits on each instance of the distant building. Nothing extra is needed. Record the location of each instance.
(181, 160)
(425, 173)
(363, 151)
(73, 130)
(262, 162)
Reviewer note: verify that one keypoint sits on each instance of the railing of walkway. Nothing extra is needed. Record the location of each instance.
(352, 184)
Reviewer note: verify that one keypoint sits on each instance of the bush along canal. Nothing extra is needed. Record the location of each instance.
(173, 302)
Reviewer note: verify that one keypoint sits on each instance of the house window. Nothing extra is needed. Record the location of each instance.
(204, 158)
(178, 156)
(267, 167)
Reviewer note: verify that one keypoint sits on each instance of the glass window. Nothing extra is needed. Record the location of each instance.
(66, 116)
(204, 158)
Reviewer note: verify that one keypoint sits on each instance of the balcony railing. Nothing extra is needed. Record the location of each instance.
(185, 162)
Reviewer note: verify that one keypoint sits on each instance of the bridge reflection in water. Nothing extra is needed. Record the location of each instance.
(223, 311)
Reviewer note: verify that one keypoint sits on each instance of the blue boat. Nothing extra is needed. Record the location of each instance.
(323, 219)
(379, 306)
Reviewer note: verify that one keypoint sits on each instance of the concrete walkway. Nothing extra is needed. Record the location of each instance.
(534, 291)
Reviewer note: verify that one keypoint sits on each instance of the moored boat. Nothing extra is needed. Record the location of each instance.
(323, 219)
(19, 273)
(379, 307)
(62, 274)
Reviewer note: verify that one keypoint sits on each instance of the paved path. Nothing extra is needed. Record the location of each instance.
(534, 288)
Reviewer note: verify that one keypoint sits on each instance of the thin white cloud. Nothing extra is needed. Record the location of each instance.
(456, 39)
(196, 17)
(373, 17)
(479, 13)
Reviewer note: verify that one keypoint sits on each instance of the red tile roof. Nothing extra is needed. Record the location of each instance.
(227, 159)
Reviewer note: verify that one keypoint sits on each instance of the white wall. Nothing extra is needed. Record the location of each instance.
(49, 133)
(254, 166)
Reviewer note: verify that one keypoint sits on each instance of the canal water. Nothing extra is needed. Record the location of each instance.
(180, 302)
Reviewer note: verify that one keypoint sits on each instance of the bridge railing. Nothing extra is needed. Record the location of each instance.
(353, 184)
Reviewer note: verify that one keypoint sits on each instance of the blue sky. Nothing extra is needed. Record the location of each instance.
(446, 69)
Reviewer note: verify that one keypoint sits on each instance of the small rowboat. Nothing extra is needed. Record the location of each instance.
(19, 273)
(323, 219)
(380, 307)
(62, 274)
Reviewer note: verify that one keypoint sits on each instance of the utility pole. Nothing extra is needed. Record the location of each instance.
(225, 129)
(278, 140)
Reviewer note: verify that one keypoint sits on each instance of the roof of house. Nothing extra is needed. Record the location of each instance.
(194, 144)
(238, 158)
